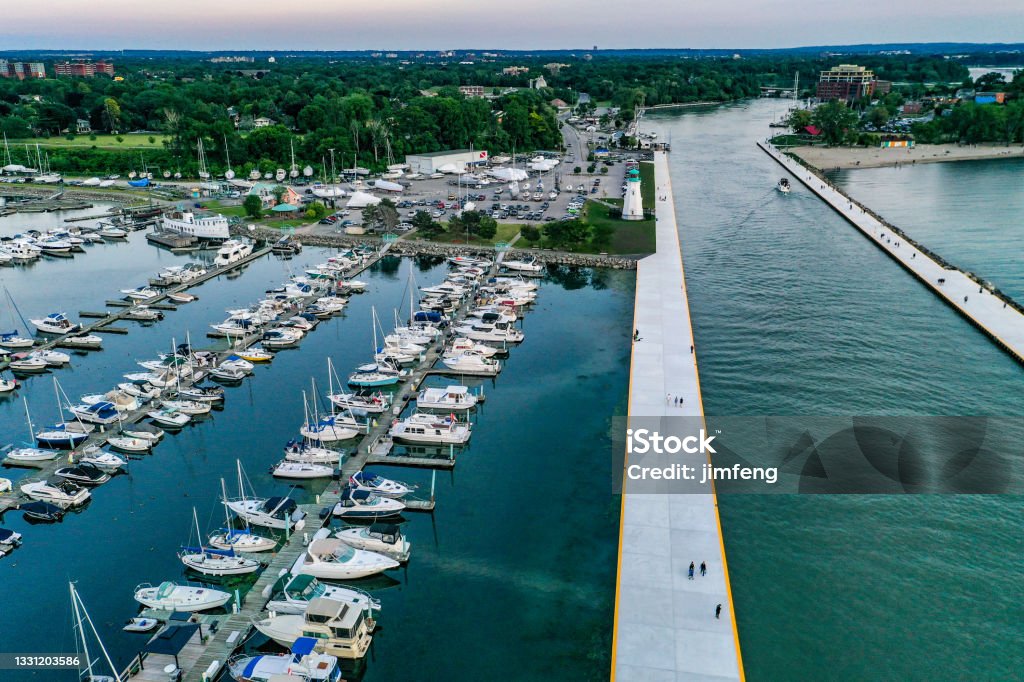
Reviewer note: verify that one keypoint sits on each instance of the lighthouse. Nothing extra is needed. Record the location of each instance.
(633, 205)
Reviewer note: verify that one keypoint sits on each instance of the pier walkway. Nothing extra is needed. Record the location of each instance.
(998, 316)
(665, 624)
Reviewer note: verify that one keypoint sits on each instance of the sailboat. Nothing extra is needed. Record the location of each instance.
(81, 619)
(203, 173)
(272, 512)
(215, 562)
(378, 373)
(239, 540)
(228, 174)
(294, 172)
(11, 339)
(63, 434)
(331, 428)
(29, 456)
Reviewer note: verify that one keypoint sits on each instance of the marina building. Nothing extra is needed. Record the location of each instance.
(445, 162)
(847, 82)
(22, 70)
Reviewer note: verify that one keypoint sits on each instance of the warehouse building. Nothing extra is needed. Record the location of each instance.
(446, 162)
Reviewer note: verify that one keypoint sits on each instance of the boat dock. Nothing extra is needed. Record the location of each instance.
(998, 316)
(665, 625)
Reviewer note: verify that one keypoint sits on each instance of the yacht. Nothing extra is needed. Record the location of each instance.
(217, 562)
(140, 293)
(371, 404)
(63, 435)
(301, 664)
(382, 538)
(232, 251)
(331, 559)
(340, 629)
(462, 345)
(52, 358)
(102, 413)
(529, 265)
(362, 504)
(493, 332)
(83, 474)
(20, 250)
(433, 429)
(189, 407)
(273, 512)
(12, 340)
(449, 399)
(8, 385)
(472, 363)
(211, 228)
(9, 540)
(374, 375)
(293, 591)
(82, 341)
(27, 364)
(62, 493)
(128, 444)
(784, 186)
(56, 323)
(239, 540)
(378, 485)
(301, 470)
(30, 456)
(169, 596)
(169, 418)
(101, 459)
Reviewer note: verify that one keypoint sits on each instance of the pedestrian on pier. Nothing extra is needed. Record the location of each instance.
(965, 299)
(718, 611)
(703, 569)
(691, 349)
(668, 398)
(691, 570)
(636, 334)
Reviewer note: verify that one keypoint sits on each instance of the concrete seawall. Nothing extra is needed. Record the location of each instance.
(995, 314)
(665, 624)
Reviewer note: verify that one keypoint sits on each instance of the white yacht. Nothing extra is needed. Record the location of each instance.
(526, 265)
(140, 293)
(382, 538)
(472, 362)
(449, 399)
(340, 629)
(429, 428)
(213, 227)
(301, 470)
(56, 323)
(378, 485)
(232, 251)
(358, 503)
(372, 404)
(62, 493)
(293, 591)
(301, 664)
(461, 345)
(172, 597)
(331, 559)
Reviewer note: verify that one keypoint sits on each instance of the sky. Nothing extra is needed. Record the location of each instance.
(501, 24)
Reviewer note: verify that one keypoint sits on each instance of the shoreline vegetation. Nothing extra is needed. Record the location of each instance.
(836, 158)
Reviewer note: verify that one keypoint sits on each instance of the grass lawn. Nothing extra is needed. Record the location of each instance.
(131, 141)
(225, 209)
(506, 232)
(628, 236)
(647, 185)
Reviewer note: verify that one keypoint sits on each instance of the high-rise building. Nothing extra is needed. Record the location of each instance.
(83, 68)
(847, 82)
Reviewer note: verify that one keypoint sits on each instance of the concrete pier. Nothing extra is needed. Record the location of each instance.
(665, 624)
(998, 316)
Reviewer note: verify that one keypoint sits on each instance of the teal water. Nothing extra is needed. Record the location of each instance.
(511, 578)
(795, 313)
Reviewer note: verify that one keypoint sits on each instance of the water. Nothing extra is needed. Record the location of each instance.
(513, 575)
(796, 313)
(1008, 71)
(967, 212)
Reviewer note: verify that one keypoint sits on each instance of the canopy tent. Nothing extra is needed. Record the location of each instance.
(508, 174)
(362, 200)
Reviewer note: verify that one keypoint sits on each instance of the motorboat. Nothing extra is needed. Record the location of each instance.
(170, 596)
(61, 436)
(142, 313)
(255, 354)
(20, 251)
(273, 512)
(189, 407)
(375, 375)
(83, 474)
(228, 374)
(461, 345)
(371, 482)
(169, 418)
(82, 341)
(428, 428)
(56, 323)
(52, 358)
(362, 504)
(182, 297)
(5, 485)
(141, 293)
(202, 394)
(12, 340)
(143, 431)
(142, 390)
(449, 399)
(62, 493)
(26, 364)
(376, 403)
(127, 444)
(354, 286)
(340, 629)
(101, 459)
(472, 363)
(784, 186)
(41, 511)
(102, 413)
(9, 541)
(122, 402)
(382, 538)
(529, 265)
(494, 332)
(109, 231)
(329, 558)
(301, 470)
(8, 385)
(293, 591)
(30, 456)
(281, 337)
(301, 664)
(140, 625)
(232, 251)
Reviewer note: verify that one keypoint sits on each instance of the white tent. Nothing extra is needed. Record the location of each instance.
(362, 200)
(387, 186)
(449, 168)
(508, 174)
(15, 168)
(543, 166)
(328, 192)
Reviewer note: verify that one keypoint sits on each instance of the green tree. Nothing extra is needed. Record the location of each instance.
(487, 228)
(253, 206)
(834, 119)
(426, 225)
(530, 233)
(111, 113)
(799, 119)
(878, 116)
(566, 233)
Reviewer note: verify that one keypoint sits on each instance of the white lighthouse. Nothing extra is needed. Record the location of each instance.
(633, 205)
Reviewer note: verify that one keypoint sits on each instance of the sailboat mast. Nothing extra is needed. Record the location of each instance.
(80, 628)
(28, 418)
(88, 618)
(227, 512)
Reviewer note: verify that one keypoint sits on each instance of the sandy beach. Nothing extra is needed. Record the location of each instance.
(829, 158)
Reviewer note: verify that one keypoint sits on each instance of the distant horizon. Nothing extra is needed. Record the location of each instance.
(428, 27)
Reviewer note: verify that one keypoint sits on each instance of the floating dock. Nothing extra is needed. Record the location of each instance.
(997, 315)
(665, 625)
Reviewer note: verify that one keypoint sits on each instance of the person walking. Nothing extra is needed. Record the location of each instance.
(703, 569)
(718, 611)
(691, 571)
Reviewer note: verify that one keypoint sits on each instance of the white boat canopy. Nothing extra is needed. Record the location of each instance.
(362, 200)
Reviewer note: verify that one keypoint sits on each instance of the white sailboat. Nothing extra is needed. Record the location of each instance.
(272, 512)
(243, 540)
(217, 562)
